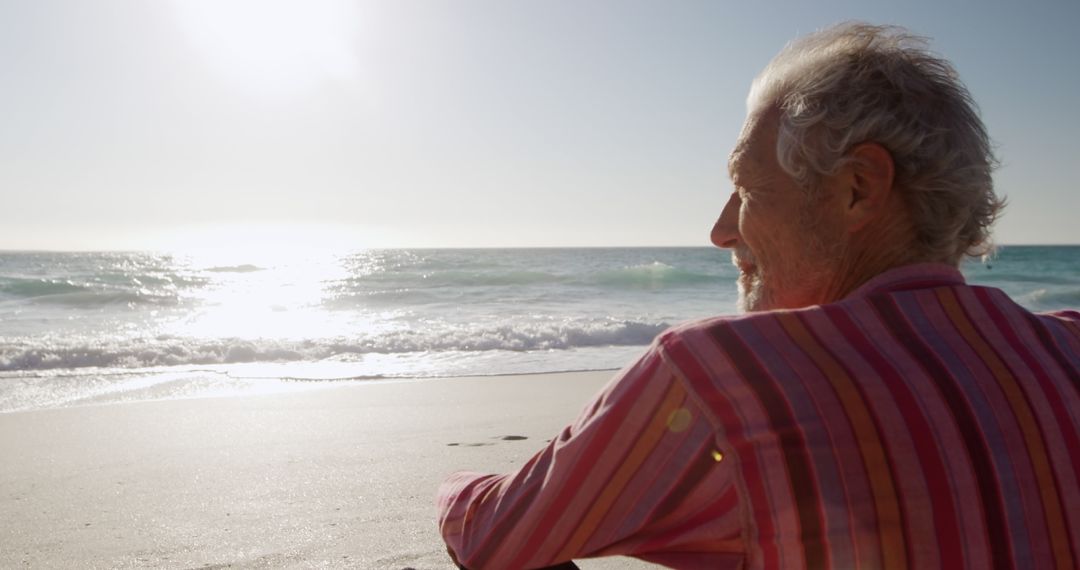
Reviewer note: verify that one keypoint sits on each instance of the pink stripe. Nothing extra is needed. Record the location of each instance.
(724, 504)
(753, 476)
(1016, 469)
(649, 487)
(581, 484)
(924, 475)
(1048, 401)
(949, 478)
(570, 485)
(849, 468)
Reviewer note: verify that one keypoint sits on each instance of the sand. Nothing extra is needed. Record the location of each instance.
(339, 476)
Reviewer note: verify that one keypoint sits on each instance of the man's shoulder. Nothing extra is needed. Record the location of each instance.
(752, 336)
(706, 324)
(732, 338)
(759, 321)
(1067, 323)
(1067, 315)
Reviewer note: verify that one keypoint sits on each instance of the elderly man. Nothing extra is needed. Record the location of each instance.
(871, 410)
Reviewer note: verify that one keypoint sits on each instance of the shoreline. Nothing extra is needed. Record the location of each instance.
(341, 476)
(274, 384)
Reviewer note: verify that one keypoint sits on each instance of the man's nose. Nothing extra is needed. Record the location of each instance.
(725, 232)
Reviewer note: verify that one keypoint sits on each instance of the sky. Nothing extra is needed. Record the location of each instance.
(150, 124)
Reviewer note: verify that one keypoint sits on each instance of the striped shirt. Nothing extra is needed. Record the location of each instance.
(918, 423)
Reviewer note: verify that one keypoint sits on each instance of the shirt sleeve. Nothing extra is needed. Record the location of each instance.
(637, 473)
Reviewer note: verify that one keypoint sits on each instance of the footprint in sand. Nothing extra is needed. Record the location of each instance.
(499, 437)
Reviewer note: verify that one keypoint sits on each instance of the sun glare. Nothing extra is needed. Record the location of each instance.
(272, 47)
(267, 280)
(280, 301)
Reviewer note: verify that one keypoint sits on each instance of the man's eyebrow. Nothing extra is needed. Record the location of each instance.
(736, 162)
(737, 158)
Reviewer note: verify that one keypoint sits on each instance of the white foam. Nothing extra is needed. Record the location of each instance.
(167, 350)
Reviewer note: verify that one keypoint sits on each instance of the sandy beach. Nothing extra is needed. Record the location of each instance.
(338, 476)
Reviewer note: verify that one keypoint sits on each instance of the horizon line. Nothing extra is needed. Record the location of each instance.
(483, 247)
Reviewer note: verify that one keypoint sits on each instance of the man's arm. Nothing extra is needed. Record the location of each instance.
(635, 474)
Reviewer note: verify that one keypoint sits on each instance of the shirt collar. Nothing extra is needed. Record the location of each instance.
(907, 277)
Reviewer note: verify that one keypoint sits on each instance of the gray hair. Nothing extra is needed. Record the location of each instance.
(855, 83)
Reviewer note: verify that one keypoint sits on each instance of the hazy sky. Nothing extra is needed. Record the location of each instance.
(144, 123)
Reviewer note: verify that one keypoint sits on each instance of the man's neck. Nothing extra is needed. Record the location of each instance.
(870, 253)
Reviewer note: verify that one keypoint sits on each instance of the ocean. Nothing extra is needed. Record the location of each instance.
(80, 328)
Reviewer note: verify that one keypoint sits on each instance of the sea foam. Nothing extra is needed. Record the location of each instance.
(179, 351)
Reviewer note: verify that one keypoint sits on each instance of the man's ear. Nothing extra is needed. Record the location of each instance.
(870, 184)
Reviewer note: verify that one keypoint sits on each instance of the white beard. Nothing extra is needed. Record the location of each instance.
(751, 294)
(751, 288)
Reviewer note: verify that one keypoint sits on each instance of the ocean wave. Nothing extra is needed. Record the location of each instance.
(1039, 277)
(243, 268)
(1052, 298)
(101, 290)
(655, 275)
(446, 279)
(177, 351)
(86, 298)
(28, 288)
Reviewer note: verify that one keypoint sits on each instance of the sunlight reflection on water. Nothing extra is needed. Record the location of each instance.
(279, 294)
